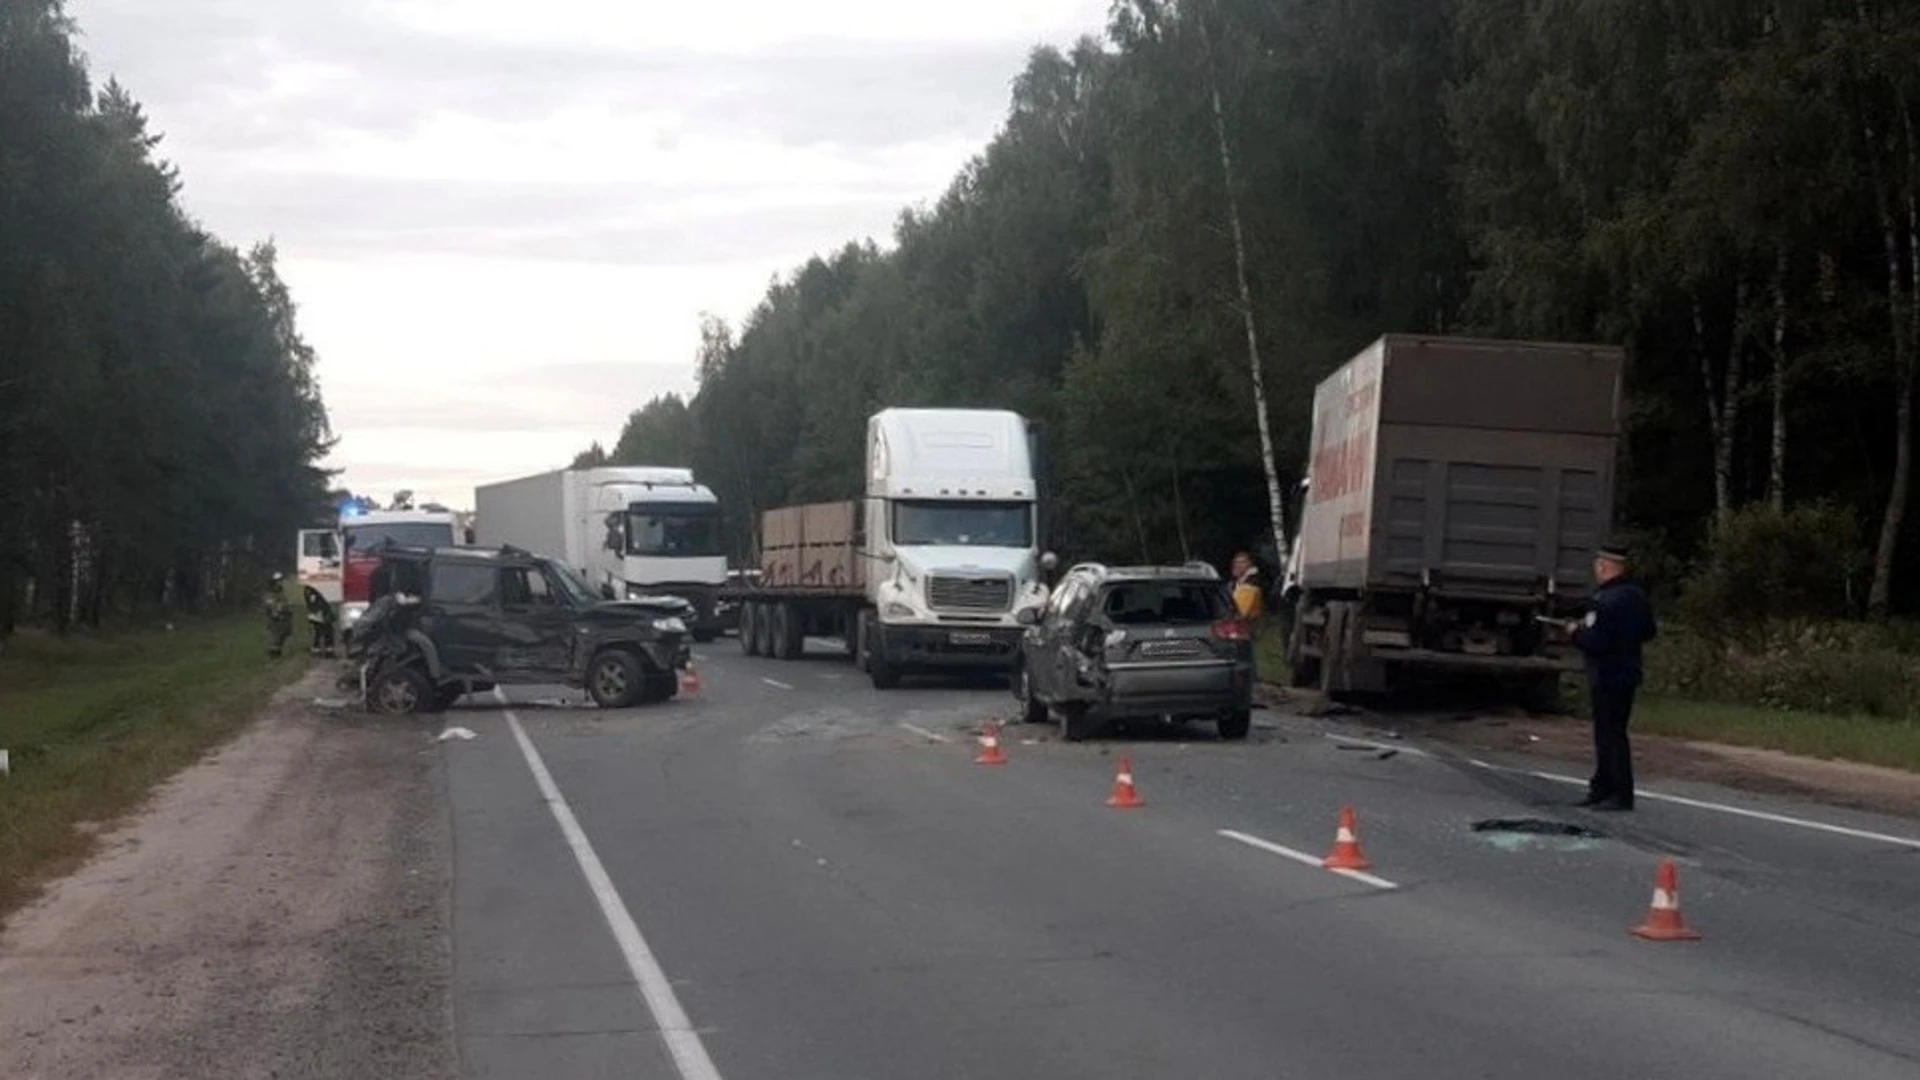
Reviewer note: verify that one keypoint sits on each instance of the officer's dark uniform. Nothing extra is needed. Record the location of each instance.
(1619, 624)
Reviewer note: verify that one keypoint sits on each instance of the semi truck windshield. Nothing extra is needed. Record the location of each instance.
(674, 531)
(963, 524)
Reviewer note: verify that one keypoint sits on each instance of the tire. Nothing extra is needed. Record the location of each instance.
(749, 618)
(763, 630)
(1235, 725)
(1303, 671)
(400, 691)
(615, 679)
(1031, 711)
(873, 642)
(780, 630)
(797, 632)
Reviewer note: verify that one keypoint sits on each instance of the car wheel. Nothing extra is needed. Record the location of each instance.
(1235, 725)
(614, 679)
(399, 691)
(1031, 711)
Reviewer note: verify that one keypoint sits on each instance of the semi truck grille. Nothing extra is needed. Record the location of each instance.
(970, 593)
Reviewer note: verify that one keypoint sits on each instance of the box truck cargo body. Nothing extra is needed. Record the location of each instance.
(631, 532)
(1456, 491)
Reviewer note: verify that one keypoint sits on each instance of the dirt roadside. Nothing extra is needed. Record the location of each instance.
(279, 910)
(1570, 741)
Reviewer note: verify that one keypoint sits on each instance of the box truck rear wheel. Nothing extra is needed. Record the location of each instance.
(1303, 671)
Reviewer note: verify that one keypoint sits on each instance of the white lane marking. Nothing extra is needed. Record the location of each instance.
(1661, 796)
(1740, 811)
(682, 1038)
(1302, 857)
(775, 683)
(924, 733)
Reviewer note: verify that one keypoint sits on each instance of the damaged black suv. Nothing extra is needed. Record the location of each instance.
(447, 622)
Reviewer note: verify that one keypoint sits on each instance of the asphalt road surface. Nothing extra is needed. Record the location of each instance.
(792, 876)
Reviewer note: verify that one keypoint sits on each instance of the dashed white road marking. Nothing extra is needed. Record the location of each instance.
(682, 1038)
(775, 683)
(1302, 857)
(924, 733)
(1660, 796)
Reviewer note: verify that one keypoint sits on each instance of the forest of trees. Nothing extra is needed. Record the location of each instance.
(160, 427)
(1727, 187)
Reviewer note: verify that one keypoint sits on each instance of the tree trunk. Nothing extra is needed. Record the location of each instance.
(1899, 308)
(1180, 512)
(1777, 458)
(1276, 509)
(1139, 522)
(1723, 400)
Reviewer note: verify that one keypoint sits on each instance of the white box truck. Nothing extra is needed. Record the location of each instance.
(928, 570)
(631, 532)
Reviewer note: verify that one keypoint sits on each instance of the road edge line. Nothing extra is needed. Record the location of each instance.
(676, 1030)
(1303, 858)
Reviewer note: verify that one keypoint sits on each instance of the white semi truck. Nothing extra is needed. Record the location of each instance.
(631, 532)
(928, 571)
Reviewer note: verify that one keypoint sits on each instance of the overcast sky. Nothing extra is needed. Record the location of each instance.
(503, 218)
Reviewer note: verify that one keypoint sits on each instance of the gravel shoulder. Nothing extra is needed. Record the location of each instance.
(279, 910)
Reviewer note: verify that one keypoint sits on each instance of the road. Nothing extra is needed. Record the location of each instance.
(794, 876)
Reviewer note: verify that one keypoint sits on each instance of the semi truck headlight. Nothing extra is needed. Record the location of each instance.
(897, 610)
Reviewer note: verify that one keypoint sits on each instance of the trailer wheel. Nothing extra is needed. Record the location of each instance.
(787, 641)
(749, 628)
(762, 630)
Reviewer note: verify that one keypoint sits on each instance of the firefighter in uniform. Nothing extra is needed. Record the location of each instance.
(279, 615)
(1612, 636)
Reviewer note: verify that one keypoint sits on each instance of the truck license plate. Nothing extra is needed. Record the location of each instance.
(969, 637)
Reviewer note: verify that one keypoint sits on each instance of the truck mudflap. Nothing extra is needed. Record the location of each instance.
(952, 646)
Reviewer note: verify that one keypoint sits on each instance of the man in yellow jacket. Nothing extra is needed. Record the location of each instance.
(1249, 598)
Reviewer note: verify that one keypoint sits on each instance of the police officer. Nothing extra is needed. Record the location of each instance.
(1611, 636)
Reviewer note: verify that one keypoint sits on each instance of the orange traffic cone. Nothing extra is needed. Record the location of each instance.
(689, 681)
(1346, 845)
(990, 752)
(1124, 797)
(1663, 918)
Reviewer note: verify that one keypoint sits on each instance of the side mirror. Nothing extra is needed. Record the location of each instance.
(1049, 562)
(1027, 616)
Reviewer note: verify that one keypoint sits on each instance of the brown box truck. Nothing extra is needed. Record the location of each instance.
(1456, 491)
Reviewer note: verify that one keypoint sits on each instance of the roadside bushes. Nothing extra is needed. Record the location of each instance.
(1763, 621)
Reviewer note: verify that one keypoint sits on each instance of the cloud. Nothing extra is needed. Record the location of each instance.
(502, 220)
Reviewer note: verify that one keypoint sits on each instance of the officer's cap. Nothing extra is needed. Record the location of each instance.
(1614, 552)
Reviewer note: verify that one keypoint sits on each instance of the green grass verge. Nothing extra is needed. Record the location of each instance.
(1869, 740)
(94, 722)
(1270, 651)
